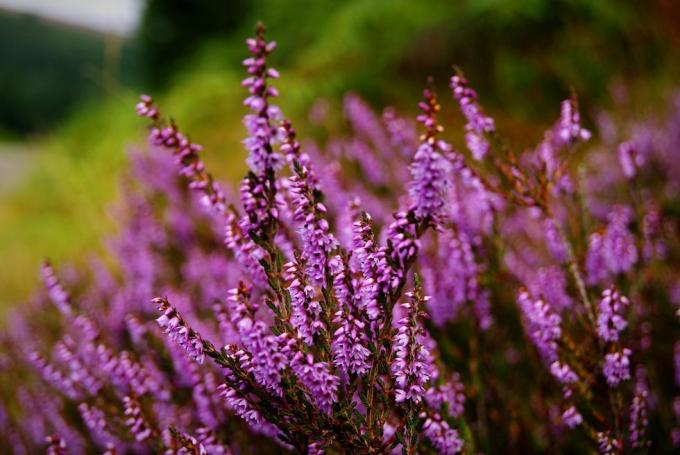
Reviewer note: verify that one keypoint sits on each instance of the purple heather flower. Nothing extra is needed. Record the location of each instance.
(316, 377)
(444, 438)
(246, 252)
(349, 340)
(410, 366)
(403, 245)
(616, 367)
(571, 417)
(610, 319)
(371, 263)
(261, 132)
(306, 309)
(256, 205)
(145, 107)
(134, 419)
(55, 290)
(478, 123)
(542, 325)
(349, 344)
(270, 356)
(315, 448)
(430, 168)
(569, 129)
(178, 330)
(241, 309)
(234, 391)
(309, 212)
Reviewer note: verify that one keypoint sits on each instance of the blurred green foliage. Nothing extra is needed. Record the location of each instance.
(48, 69)
(523, 56)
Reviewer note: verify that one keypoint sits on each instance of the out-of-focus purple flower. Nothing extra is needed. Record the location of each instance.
(551, 283)
(630, 159)
(410, 362)
(596, 264)
(676, 362)
(452, 279)
(64, 349)
(365, 123)
(569, 129)
(478, 123)
(618, 243)
(610, 318)
(178, 330)
(135, 421)
(616, 367)
(542, 325)
(306, 309)
(430, 168)
(563, 373)
(315, 448)
(554, 240)
(53, 376)
(450, 393)
(654, 245)
(565, 376)
(444, 438)
(571, 417)
(318, 379)
(637, 420)
(55, 445)
(55, 290)
(607, 445)
(402, 133)
(95, 420)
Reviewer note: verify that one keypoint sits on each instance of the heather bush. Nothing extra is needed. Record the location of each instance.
(381, 292)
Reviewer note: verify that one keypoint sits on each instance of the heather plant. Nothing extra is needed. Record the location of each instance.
(382, 292)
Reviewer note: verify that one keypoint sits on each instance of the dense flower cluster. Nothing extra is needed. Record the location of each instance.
(377, 292)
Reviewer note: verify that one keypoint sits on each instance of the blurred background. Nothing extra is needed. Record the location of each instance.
(71, 71)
